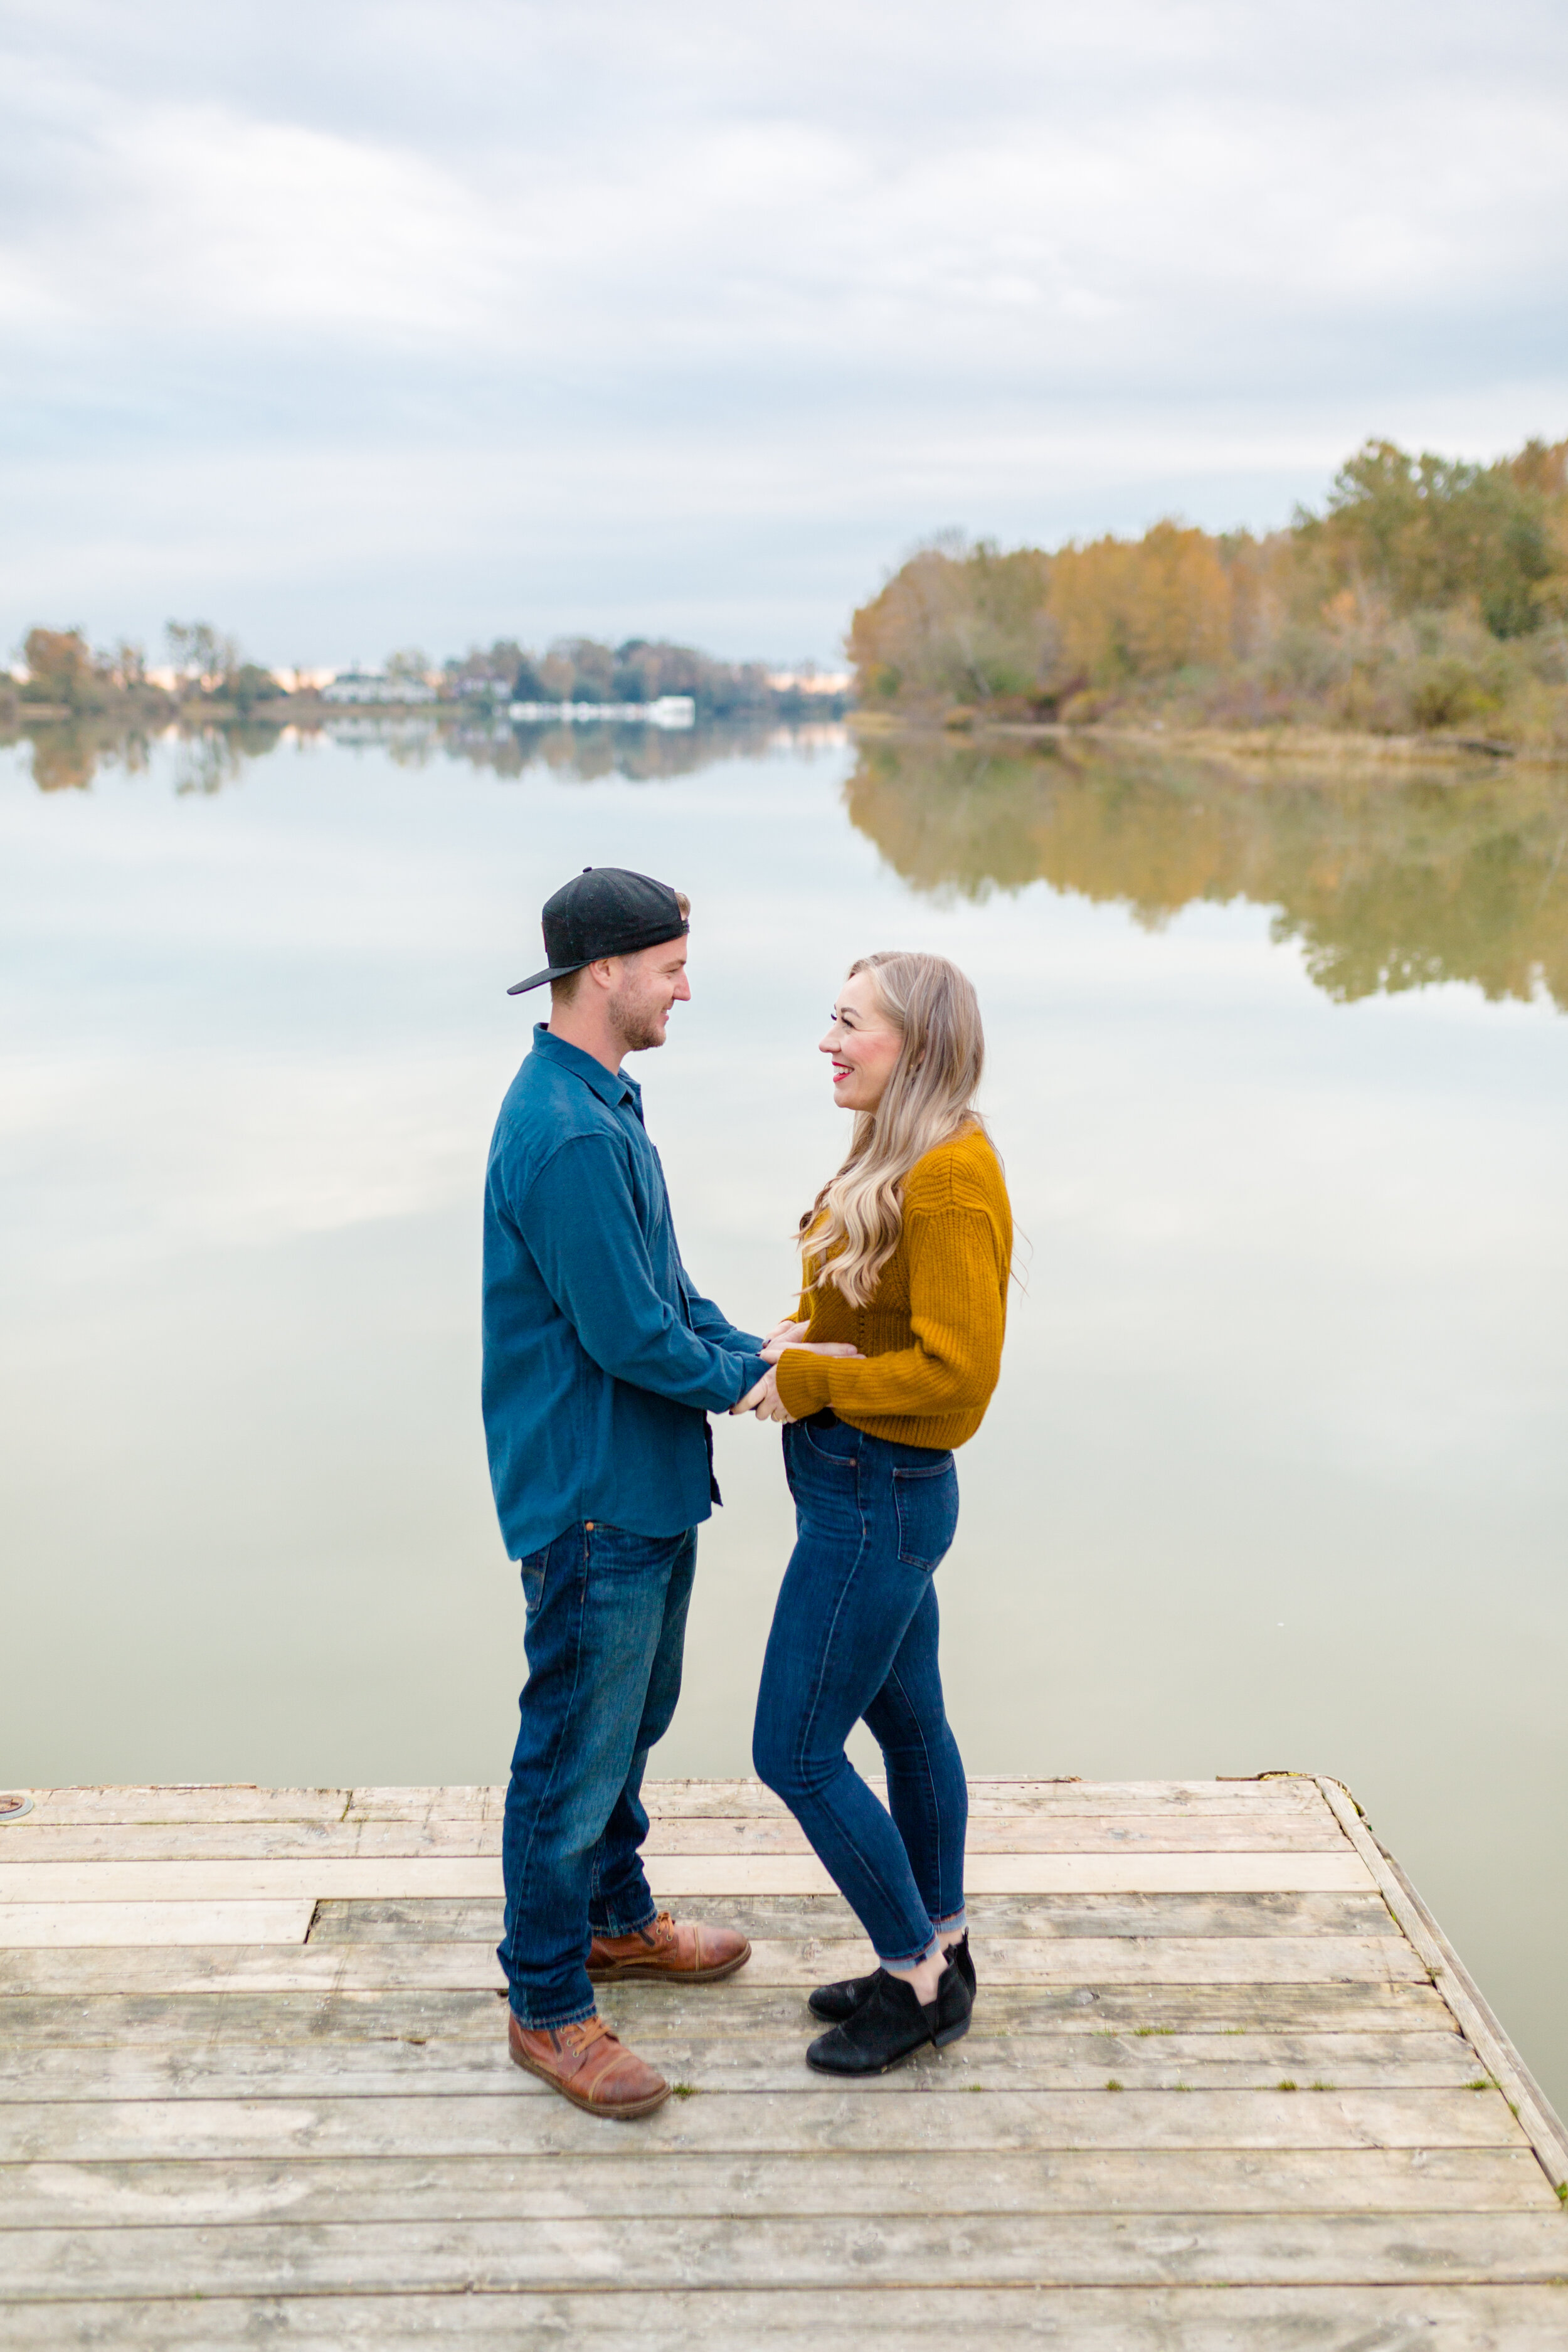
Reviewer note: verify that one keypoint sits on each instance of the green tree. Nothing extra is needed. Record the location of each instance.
(1430, 532)
(201, 656)
(409, 665)
(249, 685)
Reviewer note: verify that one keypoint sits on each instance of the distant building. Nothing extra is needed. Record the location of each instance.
(376, 685)
(809, 679)
(669, 710)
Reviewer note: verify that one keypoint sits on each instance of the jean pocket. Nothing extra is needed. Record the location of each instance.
(838, 1443)
(926, 1503)
(533, 1572)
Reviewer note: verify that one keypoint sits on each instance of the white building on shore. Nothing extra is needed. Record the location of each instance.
(669, 710)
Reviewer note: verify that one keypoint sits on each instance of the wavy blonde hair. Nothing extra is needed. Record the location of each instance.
(852, 1228)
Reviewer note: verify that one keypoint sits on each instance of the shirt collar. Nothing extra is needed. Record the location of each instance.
(612, 1086)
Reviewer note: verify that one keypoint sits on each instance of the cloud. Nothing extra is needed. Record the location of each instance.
(629, 291)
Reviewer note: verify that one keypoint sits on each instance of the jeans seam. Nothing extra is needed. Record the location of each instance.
(935, 1802)
(903, 1476)
(632, 1927)
(552, 2024)
(909, 1959)
(809, 1713)
(646, 1918)
(554, 1766)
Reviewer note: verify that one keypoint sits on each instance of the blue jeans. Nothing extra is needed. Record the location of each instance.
(606, 1625)
(855, 1635)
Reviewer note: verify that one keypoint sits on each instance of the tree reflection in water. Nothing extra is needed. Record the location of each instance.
(1390, 878)
(1389, 881)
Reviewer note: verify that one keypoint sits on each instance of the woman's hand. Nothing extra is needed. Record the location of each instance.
(764, 1401)
(787, 1336)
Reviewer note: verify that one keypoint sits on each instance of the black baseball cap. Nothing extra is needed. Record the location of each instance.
(603, 911)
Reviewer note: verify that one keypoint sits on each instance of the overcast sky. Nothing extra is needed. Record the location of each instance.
(353, 325)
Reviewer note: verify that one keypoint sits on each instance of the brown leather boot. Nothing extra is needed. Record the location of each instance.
(587, 2065)
(683, 1952)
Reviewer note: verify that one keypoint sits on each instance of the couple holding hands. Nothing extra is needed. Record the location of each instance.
(602, 1363)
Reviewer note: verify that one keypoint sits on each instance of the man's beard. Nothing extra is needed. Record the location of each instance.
(634, 1024)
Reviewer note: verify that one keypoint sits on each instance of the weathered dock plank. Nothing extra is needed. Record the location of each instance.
(677, 1800)
(118, 1920)
(341, 2014)
(897, 2249)
(1226, 2085)
(349, 1877)
(1172, 1959)
(522, 2188)
(814, 2320)
(720, 2060)
(1133, 1912)
(455, 1842)
(841, 2319)
(925, 2113)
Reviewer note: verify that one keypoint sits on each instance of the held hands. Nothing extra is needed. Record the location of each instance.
(764, 1399)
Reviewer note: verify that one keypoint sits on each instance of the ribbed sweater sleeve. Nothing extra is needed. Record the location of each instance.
(956, 1319)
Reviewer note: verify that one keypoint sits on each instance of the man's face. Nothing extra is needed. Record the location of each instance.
(645, 986)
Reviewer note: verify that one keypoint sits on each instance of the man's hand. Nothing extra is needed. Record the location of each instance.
(764, 1401)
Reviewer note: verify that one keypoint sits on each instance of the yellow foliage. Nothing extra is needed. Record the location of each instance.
(1138, 608)
(1392, 609)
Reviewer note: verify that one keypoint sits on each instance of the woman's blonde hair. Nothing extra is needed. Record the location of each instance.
(853, 1226)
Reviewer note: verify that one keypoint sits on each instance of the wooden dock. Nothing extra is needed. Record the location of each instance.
(1226, 2087)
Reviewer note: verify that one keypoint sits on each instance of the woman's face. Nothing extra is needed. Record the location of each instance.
(863, 1044)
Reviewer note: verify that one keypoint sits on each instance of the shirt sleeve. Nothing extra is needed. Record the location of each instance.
(956, 1315)
(709, 1322)
(579, 1219)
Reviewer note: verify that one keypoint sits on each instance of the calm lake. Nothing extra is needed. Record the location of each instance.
(1277, 1476)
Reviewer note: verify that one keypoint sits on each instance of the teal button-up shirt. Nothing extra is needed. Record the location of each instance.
(601, 1358)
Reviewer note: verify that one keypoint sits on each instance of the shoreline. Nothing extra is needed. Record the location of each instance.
(1280, 746)
(298, 711)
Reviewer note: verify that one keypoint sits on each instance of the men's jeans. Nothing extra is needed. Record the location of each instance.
(606, 1625)
(855, 1634)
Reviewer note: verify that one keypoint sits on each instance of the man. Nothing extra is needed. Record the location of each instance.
(601, 1364)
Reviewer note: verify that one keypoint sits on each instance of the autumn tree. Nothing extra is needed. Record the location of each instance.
(61, 668)
(1140, 608)
(959, 623)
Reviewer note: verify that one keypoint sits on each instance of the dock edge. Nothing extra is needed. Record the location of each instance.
(1456, 1985)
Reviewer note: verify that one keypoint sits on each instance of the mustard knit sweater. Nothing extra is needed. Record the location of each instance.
(932, 1336)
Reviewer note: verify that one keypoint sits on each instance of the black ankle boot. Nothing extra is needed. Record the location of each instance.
(891, 2023)
(954, 1995)
(835, 2002)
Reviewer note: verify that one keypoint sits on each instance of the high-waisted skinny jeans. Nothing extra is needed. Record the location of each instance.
(854, 1636)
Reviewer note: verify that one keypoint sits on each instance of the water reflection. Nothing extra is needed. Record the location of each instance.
(1389, 883)
(69, 757)
(1280, 1420)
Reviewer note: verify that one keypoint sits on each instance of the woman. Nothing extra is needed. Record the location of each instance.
(906, 1253)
